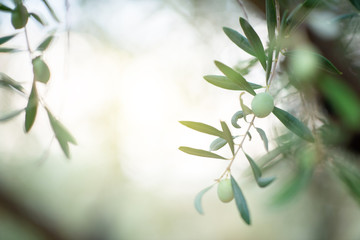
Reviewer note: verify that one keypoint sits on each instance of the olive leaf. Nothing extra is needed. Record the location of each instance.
(7, 38)
(5, 8)
(236, 117)
(198, 198)
(202, 127)
(19, 16)
(271, 18)
(63, 135)
(236, 77)
(217, 144)
(356, 4)
(11, 115)
(37, 18)
(41, 70)
(45, 43)
(254, 41)
(227, 136)
(239, 40)
(245, 109)
(31, 108)
(293, 124)
(7, 81)
(263, 137)
(226, 83)
(240, 201)
(262, 182)
(200, 152)
(51, 11)
(9, 50)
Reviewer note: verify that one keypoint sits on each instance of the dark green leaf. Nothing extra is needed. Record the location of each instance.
(51, 10)
(356, 4)
(235, 118)
(7, 81)
(227, 136)
(293, 124)
(11, 115)
(31, 109)
(217, 144)
(263, 137)
(45, 44)
(271, 18)
(5, 8)
(202, 127)
(198, 198)
(239, 40)
(235, 77)
(41, 70)
(37, 18)
(262, 182)
(269, 61)
(61, 133)
(200, 153)
(19, 16)
(240, 201)
(226, 83)
(254, 41)
(249, 134)
(9, 50)
(6, 38)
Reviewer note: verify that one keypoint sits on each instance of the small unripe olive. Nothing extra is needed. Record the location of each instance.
(224, 191)
(262, 104)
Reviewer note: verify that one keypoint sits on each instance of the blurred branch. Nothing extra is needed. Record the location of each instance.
(32, 218)
(243, 9)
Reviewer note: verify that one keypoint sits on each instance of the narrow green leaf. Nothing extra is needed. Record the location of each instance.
(9, 50)
(271, 19)
(245, 109)
(19, 16)
(31, 109)
(217, 144)
(7, 81)
(240, 201)
(11, 115)
(45, 44)
(41, 70)
(200, 153)
(269, 61)
(249, 134)
(263, 137)
(293, 124)
(202, 127)
(59, 129)
(262, 182)
(61, 133)
(235, 77)
(235, 118)
(254, 41)
(5, 8)
(37, 18)
(7, 38)
(51, 11)
(226, 83)
(197, 201)
(356, 4)
(227, 136)
(239, 40)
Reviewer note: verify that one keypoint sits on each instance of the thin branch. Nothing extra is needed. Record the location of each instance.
(243, 9)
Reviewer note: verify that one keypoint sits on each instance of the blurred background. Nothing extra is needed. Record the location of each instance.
(121, 79)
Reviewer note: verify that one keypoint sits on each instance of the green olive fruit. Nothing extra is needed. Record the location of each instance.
(224, 190)
(262, 104)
